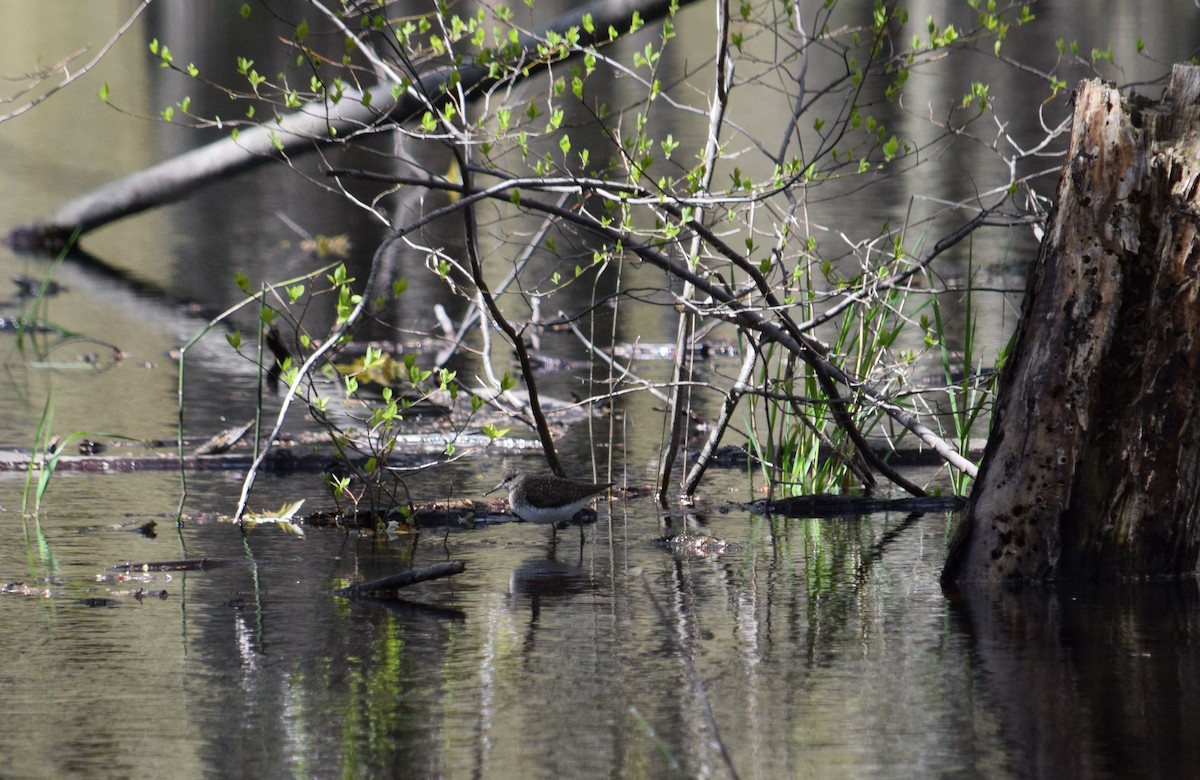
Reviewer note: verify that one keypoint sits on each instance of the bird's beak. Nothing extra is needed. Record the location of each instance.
(493, 490)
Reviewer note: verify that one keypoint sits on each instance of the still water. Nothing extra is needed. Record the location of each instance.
(808, 648)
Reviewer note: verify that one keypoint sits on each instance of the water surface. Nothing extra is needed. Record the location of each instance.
(808, 648)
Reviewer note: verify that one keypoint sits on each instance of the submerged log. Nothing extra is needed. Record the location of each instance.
(1093, 466)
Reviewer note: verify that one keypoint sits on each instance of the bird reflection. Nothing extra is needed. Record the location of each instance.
(546, 578)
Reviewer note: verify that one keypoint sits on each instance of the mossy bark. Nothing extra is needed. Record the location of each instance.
(1092, 469)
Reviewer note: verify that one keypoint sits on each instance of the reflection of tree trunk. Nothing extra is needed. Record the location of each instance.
(300, 132)
(1102, 682)
(1093, 467)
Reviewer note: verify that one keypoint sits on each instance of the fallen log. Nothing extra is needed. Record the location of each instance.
(307, 129)
(832, 505)
(1092, 469)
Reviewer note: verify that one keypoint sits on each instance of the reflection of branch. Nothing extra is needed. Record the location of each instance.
(875, 554)
(68, 76)
(685, 656)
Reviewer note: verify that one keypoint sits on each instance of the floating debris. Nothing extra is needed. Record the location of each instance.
(699, 545)
(184, 564)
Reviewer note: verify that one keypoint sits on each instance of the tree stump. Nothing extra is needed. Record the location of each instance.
(1092, 470)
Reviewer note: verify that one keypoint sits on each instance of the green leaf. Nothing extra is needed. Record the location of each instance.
(338, 277)
(234, 339)
(241, 280)
(493, 433)
(669, 144)
(890, 148)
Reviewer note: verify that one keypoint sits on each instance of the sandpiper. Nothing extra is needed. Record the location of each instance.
(546, 499)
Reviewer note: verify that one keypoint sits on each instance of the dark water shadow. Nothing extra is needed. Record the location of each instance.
(1091, 680)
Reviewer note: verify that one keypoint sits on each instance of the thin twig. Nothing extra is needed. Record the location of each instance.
(732, 398)
(68, 75)
(334, 339)
(682, 368)
(625, 371)
(535, 406)
(468, 321)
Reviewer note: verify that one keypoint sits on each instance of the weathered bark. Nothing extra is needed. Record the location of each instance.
(300, 132)
(1093, 466)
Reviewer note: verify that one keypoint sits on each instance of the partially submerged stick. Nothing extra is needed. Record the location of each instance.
(388, 586)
